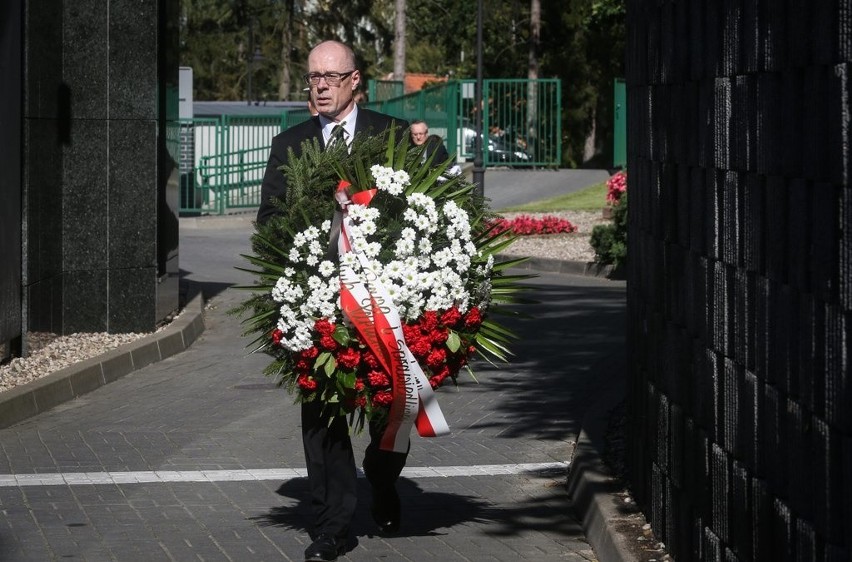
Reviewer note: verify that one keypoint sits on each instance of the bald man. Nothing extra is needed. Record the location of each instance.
(333, 78)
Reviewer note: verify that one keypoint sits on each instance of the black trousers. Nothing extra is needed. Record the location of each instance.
(331, 469)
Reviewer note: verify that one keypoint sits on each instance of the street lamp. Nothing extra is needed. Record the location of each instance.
(478, 169)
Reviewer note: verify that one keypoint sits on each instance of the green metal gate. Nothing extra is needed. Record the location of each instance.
(619, 149)
(522, 121)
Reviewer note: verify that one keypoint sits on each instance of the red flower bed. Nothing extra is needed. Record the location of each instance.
(527, 225)
(616, 186)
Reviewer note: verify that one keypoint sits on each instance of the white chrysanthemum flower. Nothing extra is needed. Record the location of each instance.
(294, 255)
(314, 282)
(393, 269)
(384, 182)
(442, 257)
(423, 223)
(368, 228)
(395, 188)
(404, 247)
(425, 246)
(372, 249)
(401, 177)
(409, 215)
(350, 261)
(326, 268)
(325, 226)
(408, 234)
(316, 248)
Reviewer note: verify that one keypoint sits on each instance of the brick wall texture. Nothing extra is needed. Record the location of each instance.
(740, 276)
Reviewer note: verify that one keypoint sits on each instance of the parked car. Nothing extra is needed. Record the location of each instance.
(500, 149)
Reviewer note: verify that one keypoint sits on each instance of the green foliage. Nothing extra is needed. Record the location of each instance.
(582, 42)
(610, 241)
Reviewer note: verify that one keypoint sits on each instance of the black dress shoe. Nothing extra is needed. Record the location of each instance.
(386, 509)
(324, 548)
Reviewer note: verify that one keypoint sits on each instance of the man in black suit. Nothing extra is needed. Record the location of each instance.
(333, 79)
(434, 144)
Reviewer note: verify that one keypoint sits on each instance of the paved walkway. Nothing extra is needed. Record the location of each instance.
(198, 456)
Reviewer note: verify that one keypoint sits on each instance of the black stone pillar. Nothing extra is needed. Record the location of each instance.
(11, 49)
(97, 164)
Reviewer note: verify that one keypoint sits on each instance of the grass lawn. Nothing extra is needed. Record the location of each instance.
(592, 198)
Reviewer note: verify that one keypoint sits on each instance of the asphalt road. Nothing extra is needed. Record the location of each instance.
(507, 188)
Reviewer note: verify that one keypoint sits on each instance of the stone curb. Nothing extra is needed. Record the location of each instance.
(35, 397)
(590, 488)
(567, 267)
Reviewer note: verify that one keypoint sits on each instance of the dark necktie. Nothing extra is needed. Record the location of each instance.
(337, 133)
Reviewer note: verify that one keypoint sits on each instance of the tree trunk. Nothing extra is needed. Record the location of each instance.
(399, 42)
(532, 75)
(590, 145)
(284, 80)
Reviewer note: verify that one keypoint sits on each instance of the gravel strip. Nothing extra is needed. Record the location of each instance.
(568, 247)
(50, 352)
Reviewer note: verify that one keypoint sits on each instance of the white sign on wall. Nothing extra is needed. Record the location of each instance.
(185, 93)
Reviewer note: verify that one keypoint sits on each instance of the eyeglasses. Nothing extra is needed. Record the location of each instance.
(331, 78)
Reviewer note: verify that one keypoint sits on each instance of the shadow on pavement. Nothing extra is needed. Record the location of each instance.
(429, 513)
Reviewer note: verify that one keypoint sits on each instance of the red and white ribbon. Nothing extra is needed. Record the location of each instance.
(368, 306)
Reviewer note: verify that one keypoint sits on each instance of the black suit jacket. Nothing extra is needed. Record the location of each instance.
(434, 145)
(274, 180)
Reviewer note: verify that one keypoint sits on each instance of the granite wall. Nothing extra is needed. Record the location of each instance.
(11, 47)
(740, 276)
(100, 172)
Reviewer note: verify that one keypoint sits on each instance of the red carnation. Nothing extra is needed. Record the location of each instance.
(383, 398)
(324, 327)
(310, 353)
(360, 401)
(429, 321)
(328, 342)
(437, 357)
(276, 336)
(349, 358)
(436, 380)
(369, 358)
(302, 365)
(451, 317)
(473, 318)
(443, 371)
(420, 347)
(439, 336)
(306, 383)
(359, 384)
(378, 378)
(410, 332)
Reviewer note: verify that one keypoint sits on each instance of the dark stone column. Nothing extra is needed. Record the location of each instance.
(11, 48)
(96, 126)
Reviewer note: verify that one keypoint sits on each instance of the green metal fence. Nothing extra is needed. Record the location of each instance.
(229, 159)
(522, 121)
(378, 90)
